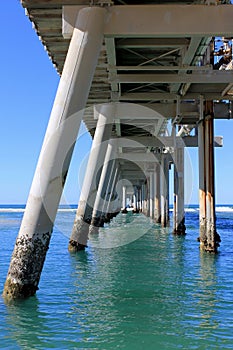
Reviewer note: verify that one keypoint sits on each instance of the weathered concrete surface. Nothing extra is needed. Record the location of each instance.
(50, 175)
(26, 266)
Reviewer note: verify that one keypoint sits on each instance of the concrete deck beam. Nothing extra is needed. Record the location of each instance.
(168, 21)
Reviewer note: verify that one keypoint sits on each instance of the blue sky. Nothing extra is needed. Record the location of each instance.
(28, 87)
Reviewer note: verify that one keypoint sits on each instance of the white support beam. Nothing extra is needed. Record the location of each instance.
(144, 141)
(111, 55)
(165, 96)
(160, 20)
(163, 68)
(214, 77)
(143, 43)
(138, 157)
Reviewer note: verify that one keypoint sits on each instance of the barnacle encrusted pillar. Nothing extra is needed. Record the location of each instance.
(79, 235)
(33, 239)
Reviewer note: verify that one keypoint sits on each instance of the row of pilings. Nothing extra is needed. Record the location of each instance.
(50, 176)
(102, 198)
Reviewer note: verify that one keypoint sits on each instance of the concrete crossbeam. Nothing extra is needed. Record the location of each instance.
(160, 20)
(213, 77)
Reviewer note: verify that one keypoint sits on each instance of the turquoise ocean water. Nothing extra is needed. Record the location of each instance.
(136, 287)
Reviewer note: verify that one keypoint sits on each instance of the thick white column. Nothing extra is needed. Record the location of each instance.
(107, 195)
(79, 235)
(143, 195)
(124, 197)
(50, 175)
(111, 203)
(97, 215)
(134, 200)
(147, 196)
(178, 207)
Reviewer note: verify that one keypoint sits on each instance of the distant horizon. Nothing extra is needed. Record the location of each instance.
(76, 204)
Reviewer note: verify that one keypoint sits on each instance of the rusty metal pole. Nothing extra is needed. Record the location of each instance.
(50, 175)
(212, 237)
(202, 178)
(209, 238)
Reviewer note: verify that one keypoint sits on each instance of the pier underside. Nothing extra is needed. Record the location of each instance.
(147, 79)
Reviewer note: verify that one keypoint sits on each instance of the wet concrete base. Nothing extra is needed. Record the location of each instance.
(181, 229)
(209, 241)
(26, 266)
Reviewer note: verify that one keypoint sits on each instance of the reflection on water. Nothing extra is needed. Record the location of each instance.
(156, 292)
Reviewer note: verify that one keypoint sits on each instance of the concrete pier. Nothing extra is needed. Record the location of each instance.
(146, 74)
(34, 236)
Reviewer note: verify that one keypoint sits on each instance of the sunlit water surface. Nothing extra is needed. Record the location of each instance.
(136, 287)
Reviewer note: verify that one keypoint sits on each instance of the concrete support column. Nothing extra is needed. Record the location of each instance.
(50, 175)
(209, 238)
(164, 192)
(97, 215)
(152, 194)
(140, 198)
(143, 194)
(137, 199)
(111, 208)
(113, 169)
(79, 235)
(178, 207)
(147, 196)
(157, 214)
(124, 197)
(134, 200)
